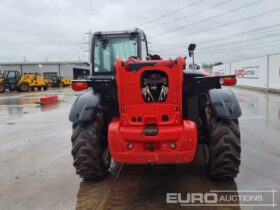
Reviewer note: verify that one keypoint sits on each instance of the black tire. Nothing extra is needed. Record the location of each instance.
(222, 152)
(45, 88)
(39, 88)
(24, 87)
(90, 149)
(2, 88)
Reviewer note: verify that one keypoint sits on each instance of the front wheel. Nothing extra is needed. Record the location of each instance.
(222, 151)
(90, 149)
(23, 87)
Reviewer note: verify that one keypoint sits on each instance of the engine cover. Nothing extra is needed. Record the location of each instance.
(150, 92)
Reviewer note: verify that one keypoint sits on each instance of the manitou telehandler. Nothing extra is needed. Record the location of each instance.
(145, 110)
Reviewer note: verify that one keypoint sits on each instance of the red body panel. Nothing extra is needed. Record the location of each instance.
(131, 102)
(184, 136)
(176, 139)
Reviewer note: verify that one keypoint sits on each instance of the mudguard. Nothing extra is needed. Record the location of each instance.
(84, 108)
(224, 104)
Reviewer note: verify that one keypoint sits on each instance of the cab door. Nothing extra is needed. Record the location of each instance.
(12, 78)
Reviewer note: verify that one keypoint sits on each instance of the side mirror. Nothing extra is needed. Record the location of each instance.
(191, 48)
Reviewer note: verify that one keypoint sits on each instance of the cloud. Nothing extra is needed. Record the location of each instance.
(55, 29)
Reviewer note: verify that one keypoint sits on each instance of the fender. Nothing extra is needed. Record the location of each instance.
(84, 108)
(224, 104)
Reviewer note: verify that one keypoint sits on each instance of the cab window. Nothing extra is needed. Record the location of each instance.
(107, 51)
(11, 75)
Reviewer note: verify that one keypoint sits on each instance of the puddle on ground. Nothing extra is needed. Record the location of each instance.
(18, 101)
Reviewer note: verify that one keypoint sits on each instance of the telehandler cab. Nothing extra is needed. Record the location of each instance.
(151, 111)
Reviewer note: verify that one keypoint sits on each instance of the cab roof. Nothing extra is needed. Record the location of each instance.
(135, 31)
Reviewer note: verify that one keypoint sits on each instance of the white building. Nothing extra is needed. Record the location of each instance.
(261, 73)
(71, 70)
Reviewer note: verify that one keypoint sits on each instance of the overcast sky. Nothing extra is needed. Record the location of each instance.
(225, 30)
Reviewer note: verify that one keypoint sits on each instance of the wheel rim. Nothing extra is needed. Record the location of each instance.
(24, 87)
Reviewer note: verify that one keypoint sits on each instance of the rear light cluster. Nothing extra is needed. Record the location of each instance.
(228, 80)
(79, 85)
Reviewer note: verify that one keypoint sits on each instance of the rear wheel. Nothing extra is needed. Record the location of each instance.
(222, 151)
(23, 87)
(90, 148)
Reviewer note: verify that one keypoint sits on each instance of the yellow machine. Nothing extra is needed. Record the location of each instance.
(37, 81)
(49, 82)
(64, 82)
(58, 81)
(13, 80)
(2, 76)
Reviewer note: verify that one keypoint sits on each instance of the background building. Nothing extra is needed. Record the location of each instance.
(71, 70)
(261, 72)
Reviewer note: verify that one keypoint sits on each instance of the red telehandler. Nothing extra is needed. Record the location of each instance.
(145, 110)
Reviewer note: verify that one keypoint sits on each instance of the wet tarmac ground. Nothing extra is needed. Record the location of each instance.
(37, 173)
